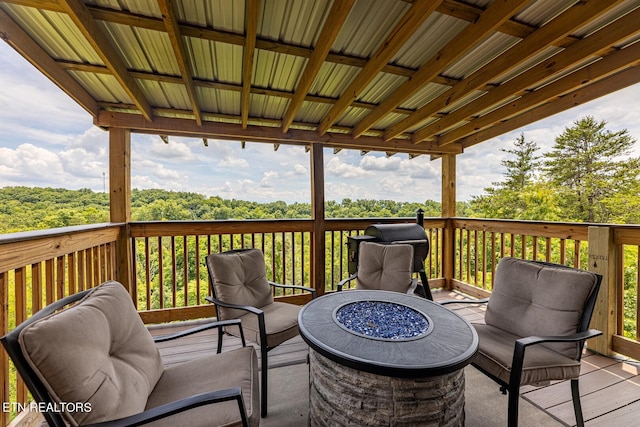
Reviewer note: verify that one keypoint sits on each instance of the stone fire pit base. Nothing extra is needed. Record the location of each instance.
(341, 396)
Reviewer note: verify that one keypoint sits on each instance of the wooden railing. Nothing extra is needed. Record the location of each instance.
(38, 268)
(626, 249)
(481, 243)
(168, 278)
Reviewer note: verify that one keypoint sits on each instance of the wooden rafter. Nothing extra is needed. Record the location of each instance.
(410, 22)
(20, 41)
(158, 77)
(82, 18)
(456, 9)
(251, 30)
(235, 132)
(473, 34)
(613, 63)
(173, 31)
(593, 45)
(603, 87)
(576, 16)
(332, 26)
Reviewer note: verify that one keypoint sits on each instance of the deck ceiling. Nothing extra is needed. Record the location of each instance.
(418, 77)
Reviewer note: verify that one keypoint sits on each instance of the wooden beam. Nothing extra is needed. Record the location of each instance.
(603, 87)
(491, 19)
(332, 26)
(613, 63)
(82, 18)
(184, 127)
(318, 217)
(577, 16)
(251, 29)
(412, 20)
(603, 259)
(595, 44)
(120, 199)
(173, 31)
(19, 40)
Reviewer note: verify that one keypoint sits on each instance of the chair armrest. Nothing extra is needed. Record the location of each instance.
(218, 324)
(347, 280)
(302, 288)
(580, 336)
(248, 308)
(178, 406)
(466, 301)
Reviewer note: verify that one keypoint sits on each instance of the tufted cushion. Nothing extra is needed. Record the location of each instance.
(239, 277)
(96, 351)
(535, 299)
(385, 267)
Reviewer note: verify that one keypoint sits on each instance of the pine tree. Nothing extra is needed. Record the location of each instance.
(590, 166)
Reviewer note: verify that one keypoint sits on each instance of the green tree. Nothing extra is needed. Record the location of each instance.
(589, 167)
(514, 197)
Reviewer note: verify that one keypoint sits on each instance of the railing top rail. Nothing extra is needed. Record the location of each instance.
(54, 232)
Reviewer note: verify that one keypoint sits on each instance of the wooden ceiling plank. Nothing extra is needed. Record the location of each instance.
(252, 10)
(596, 90)
(578, 15)
(496, 14)
(173, 31)
(613, 63)
(593, 45)
(332, 26)
(408, 24)
(82, 18)
(19, 40)
(184, 127)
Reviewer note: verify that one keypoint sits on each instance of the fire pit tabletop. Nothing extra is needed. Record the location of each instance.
(438, 340)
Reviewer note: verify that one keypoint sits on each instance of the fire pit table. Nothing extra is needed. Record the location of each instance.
(380, 358)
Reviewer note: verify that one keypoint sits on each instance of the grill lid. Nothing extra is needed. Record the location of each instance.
(387, 233)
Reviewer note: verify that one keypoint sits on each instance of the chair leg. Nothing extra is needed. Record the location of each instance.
(512, 412)
(263, 386)
(577, 407)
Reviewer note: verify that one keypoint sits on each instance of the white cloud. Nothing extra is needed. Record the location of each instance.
(380, 163)
(46, 139)
(338, 168)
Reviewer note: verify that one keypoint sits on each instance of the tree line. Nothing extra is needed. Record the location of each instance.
(587, 176)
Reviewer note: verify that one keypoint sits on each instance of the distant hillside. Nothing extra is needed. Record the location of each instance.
(26, 208)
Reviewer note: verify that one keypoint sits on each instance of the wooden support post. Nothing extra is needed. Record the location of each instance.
(120, 201)
(317, 212)
(602, 260)
(448, 211)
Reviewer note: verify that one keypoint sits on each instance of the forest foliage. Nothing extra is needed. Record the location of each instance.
(587, 176)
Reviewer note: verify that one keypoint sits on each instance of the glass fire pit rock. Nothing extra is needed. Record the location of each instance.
(381, 320)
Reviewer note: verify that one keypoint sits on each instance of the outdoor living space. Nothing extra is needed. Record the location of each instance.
(610, 387)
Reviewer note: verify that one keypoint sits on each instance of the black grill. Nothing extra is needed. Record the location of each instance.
(407, 233)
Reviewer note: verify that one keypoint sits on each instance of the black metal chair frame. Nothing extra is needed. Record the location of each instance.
(54, 419)
(264, 349)
(512, 388)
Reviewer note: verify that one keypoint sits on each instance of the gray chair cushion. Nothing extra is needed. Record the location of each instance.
(385, 267)
(97, 351)
(533, 299)
(541, 365)
(240, 278)
(237, 368)
(281, 323)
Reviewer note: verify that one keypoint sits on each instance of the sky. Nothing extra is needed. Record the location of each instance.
(47, 140)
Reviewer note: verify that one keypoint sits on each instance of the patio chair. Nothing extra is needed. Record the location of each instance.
(536, 323)
(240, 290)
(384, 267)
(97, 355)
